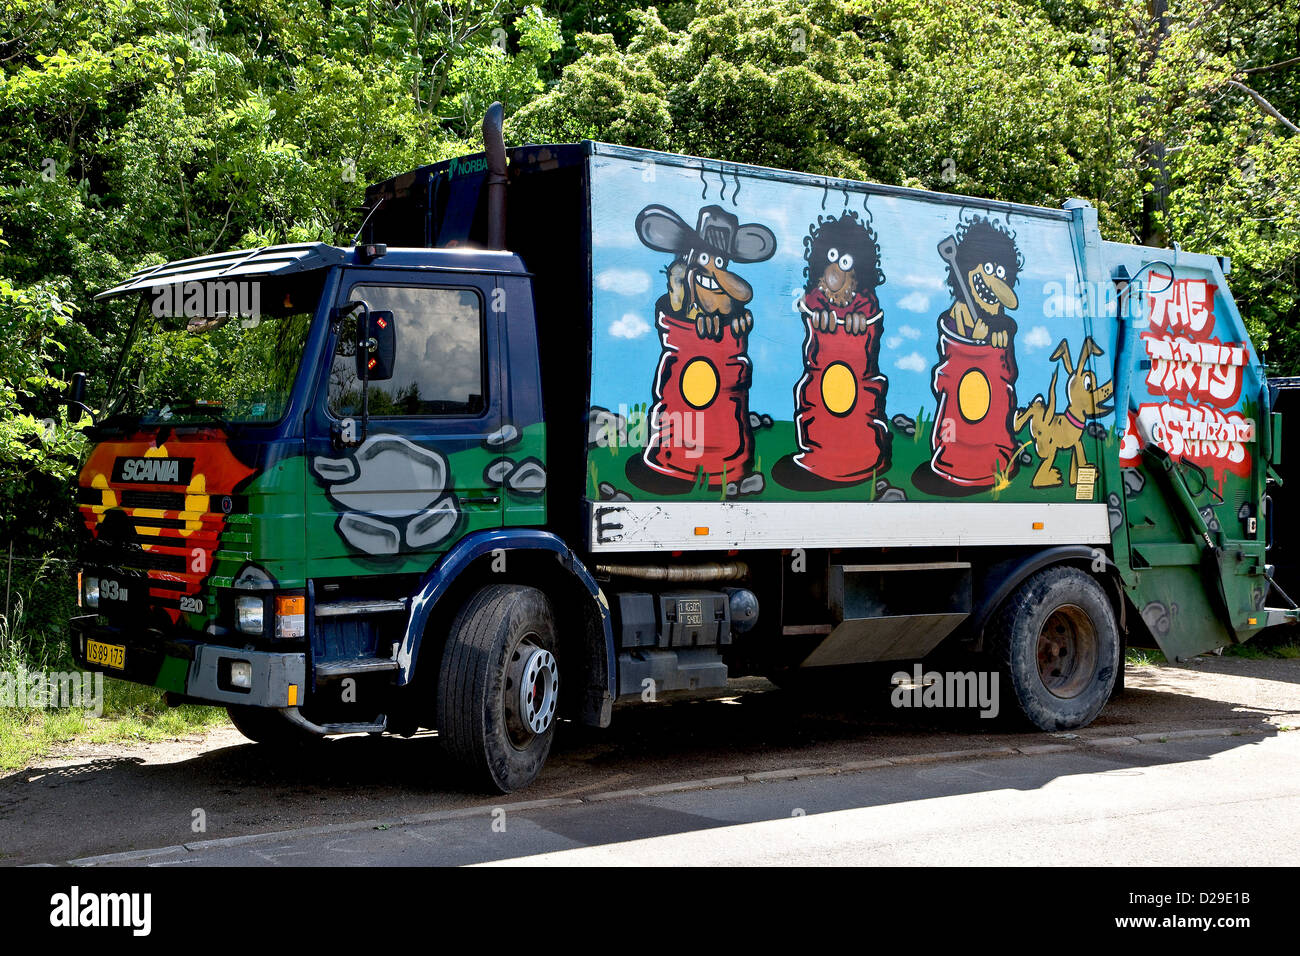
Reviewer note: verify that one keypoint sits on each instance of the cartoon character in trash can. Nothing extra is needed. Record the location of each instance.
(974, 381)
(840, 421)
(699, 423)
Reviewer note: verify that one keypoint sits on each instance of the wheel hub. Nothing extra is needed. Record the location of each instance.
(1067, 651)
(535, 677)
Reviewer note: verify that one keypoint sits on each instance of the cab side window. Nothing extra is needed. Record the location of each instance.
(440, 364)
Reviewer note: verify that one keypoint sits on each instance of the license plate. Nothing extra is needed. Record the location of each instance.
(108, 655)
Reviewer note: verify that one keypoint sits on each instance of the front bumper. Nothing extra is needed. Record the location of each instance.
(195, 669)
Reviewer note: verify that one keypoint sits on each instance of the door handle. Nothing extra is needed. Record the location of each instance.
(483, 500)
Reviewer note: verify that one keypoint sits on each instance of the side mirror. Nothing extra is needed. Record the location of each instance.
(377, 346)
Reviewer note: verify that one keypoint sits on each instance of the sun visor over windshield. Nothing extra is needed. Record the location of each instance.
(266, 262)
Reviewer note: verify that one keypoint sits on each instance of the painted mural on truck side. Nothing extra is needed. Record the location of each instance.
(757, 339)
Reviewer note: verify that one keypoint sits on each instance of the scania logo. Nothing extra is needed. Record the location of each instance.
(157, 471)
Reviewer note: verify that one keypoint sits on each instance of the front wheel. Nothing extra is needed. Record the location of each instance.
(1056, 641)
(498, 686)
(267, 726)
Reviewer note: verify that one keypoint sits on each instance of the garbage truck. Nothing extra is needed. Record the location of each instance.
(579, 425)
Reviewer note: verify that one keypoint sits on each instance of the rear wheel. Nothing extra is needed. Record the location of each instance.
(498, 686)
(1056, 642)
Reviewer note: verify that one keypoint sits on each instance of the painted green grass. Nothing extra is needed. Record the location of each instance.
(609, 463)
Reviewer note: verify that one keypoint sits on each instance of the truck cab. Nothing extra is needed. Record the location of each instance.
(387, 411)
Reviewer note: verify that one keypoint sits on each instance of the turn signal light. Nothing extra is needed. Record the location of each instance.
(290, 616)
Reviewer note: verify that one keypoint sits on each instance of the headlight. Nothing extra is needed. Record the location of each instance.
(250, 614)
(90, 591)
(241, 674)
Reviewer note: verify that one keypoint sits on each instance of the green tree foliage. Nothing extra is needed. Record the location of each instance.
(137, 131)
(1164, 115)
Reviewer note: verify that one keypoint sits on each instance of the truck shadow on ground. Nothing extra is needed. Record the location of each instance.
(804, 731)
(753, 727)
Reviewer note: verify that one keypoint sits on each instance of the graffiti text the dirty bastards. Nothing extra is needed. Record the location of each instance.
(1199, 378)
(1187, 361)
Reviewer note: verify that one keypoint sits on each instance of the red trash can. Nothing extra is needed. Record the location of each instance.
(700, 417)
(840, 400)
(973, 437)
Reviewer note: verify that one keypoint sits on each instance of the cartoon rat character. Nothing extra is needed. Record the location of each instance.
(840, 400)
(700, 418)
(983, 263)
(975, 378)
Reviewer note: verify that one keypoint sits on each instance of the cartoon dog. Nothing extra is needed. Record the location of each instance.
(1055, 431)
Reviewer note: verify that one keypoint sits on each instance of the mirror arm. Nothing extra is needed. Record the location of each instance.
(363, 340)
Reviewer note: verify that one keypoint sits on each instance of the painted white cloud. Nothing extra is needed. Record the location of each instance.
(1036, 338)
(624, 281)
(921, 280)
(904, 332)
(789, 235)
(912, 362)
(915, 302)
(631, 326)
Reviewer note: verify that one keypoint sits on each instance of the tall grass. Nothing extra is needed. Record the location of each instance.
(34, 638)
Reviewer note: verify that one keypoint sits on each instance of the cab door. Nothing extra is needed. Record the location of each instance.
(415, 476)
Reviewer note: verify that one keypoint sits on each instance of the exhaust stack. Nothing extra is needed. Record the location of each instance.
(494, 145)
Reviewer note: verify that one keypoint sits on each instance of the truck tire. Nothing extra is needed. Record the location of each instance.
(498, 686)
(1056, 642)
(266, 725)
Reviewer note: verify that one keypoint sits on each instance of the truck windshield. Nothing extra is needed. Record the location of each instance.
(189, 365)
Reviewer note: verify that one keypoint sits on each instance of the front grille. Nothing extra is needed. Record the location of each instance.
(160, 500)
(140, 560)
(157, 522)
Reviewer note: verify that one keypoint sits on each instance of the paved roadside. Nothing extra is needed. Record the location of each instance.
(1098, 804)
(100, 800)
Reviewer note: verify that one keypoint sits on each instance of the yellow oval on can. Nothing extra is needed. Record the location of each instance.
(699, 383)
(973, 396)
(839, 388)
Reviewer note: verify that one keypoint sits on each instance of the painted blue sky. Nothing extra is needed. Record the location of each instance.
(629, 278)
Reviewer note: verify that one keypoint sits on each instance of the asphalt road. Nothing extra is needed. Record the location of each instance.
(774, 752)
(1205, 801)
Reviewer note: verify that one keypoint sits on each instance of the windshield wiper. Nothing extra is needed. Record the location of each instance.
(117, 403)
